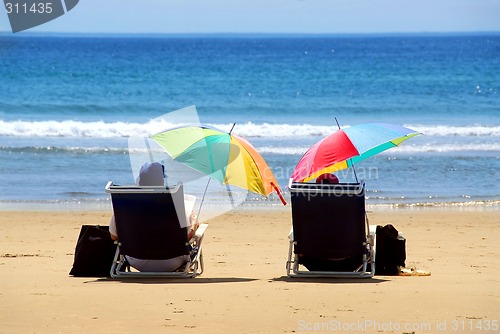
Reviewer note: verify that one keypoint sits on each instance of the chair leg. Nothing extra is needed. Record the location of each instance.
(362, 271)
(289, 260)
(115, 263)
(201, 262)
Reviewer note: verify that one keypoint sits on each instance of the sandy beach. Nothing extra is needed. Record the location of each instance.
(244, 288)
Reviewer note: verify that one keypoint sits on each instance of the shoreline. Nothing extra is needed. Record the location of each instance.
(66, 206)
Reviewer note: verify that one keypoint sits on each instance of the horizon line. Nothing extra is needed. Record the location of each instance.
(245, 34)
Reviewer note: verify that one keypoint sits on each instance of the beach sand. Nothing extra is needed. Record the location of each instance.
(244, 288)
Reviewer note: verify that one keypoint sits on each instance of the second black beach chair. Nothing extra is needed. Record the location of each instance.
(330, 233)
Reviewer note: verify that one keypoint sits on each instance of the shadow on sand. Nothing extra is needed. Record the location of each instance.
(196, 280)
(329, 280)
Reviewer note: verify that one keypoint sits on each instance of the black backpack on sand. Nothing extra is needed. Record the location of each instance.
(390, 252)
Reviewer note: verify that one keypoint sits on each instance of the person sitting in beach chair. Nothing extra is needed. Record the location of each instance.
(327, 178)
(151, 175)
(315, 264)
(330, 235)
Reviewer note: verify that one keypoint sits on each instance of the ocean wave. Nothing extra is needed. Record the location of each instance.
(250, 130)
(64, 149)
(457, 131)
(282, 150)
(278, 150)
(76, 129)
(404, 148)
(101, 129)
(443, 148)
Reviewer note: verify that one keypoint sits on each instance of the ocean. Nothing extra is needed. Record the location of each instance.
(70, 103)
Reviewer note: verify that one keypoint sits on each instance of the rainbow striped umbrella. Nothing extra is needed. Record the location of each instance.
(345, 147)
(223, 156)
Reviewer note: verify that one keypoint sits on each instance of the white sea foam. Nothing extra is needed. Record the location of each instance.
(69, 149)
(292, 130)
(70, 128)
(457, 131)
(250, 129)
(442, 148)
(288, 150)
(283, 150)
(404, 148)
(100, 129)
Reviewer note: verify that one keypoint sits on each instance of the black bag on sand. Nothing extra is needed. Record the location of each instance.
(94, 252)
(390, 252)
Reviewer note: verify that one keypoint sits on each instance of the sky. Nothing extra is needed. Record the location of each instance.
(273, 16)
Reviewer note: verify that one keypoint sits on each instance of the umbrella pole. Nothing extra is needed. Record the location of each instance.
(230, 195)
(149, 149)
(234, 124)
(202, 200)
(336, 120)
(353, 169)
(206, 188)
(227, 185)
(357, 181)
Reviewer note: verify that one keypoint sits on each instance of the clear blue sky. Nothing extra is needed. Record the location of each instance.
(274, 16)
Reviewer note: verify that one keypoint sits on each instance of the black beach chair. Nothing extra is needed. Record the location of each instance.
(151, 224)
(330, 233)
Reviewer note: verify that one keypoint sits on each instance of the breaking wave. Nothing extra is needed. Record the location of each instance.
(101, 129)
(279, 150)
(404, 148)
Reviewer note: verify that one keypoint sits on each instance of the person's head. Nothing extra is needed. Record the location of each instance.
(327, 178)
(151, 174)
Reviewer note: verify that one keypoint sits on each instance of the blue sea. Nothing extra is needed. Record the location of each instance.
(70, 103)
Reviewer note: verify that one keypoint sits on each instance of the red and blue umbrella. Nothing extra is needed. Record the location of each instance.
(346, 147)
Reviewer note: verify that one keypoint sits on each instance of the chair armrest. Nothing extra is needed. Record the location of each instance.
(200, 231)
(373, 229)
